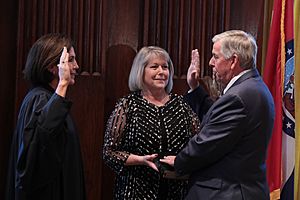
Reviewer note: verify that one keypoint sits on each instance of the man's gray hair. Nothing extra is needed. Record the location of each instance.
(240, 43)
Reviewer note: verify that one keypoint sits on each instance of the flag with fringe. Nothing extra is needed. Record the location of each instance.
(279, 74)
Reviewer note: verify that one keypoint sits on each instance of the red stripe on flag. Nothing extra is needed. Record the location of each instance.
(272, 77)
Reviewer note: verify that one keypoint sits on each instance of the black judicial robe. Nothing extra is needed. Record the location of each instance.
(45, 161)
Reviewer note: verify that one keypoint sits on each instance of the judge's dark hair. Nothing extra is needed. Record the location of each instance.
(45, 53)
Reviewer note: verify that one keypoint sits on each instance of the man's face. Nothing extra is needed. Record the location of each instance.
(222, 68)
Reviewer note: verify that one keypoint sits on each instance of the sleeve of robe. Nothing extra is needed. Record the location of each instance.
(41, 136)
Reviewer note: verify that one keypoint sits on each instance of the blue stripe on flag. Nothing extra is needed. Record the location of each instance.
(287, 192)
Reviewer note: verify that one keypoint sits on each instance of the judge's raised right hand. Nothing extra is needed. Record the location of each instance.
(64, 72)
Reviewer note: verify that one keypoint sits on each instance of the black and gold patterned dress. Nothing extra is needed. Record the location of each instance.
(137, 126)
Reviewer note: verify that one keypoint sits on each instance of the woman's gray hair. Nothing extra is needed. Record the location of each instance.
(136, 76)
(240, 43)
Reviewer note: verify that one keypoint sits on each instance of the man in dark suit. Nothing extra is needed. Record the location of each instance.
(226, 159)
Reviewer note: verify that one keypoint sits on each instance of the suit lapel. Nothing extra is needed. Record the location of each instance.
(251, 74)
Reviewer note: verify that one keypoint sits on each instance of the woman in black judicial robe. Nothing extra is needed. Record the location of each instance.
(45, 161)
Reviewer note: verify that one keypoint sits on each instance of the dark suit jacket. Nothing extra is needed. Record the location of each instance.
(226, 159)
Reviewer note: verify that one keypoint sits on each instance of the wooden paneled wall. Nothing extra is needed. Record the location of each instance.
(108, 33)
(180, 26)
(8, 35)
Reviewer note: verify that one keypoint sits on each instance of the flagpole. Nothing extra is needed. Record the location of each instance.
(297, 94)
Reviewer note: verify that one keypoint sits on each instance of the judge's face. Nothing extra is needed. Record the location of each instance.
(156, 74)
(72, 65)
(222, 68)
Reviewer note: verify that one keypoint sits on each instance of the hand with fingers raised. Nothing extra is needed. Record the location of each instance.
(193, 73)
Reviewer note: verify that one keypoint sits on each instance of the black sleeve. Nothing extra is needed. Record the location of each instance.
(41, 133)
(199, 101)
(113, 154)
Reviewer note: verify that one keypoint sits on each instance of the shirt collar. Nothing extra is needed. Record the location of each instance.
(234, 79)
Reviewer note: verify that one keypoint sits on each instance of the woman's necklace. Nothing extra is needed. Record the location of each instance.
(156, 101)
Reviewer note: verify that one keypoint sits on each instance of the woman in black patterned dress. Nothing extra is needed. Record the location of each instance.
(145, 124)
